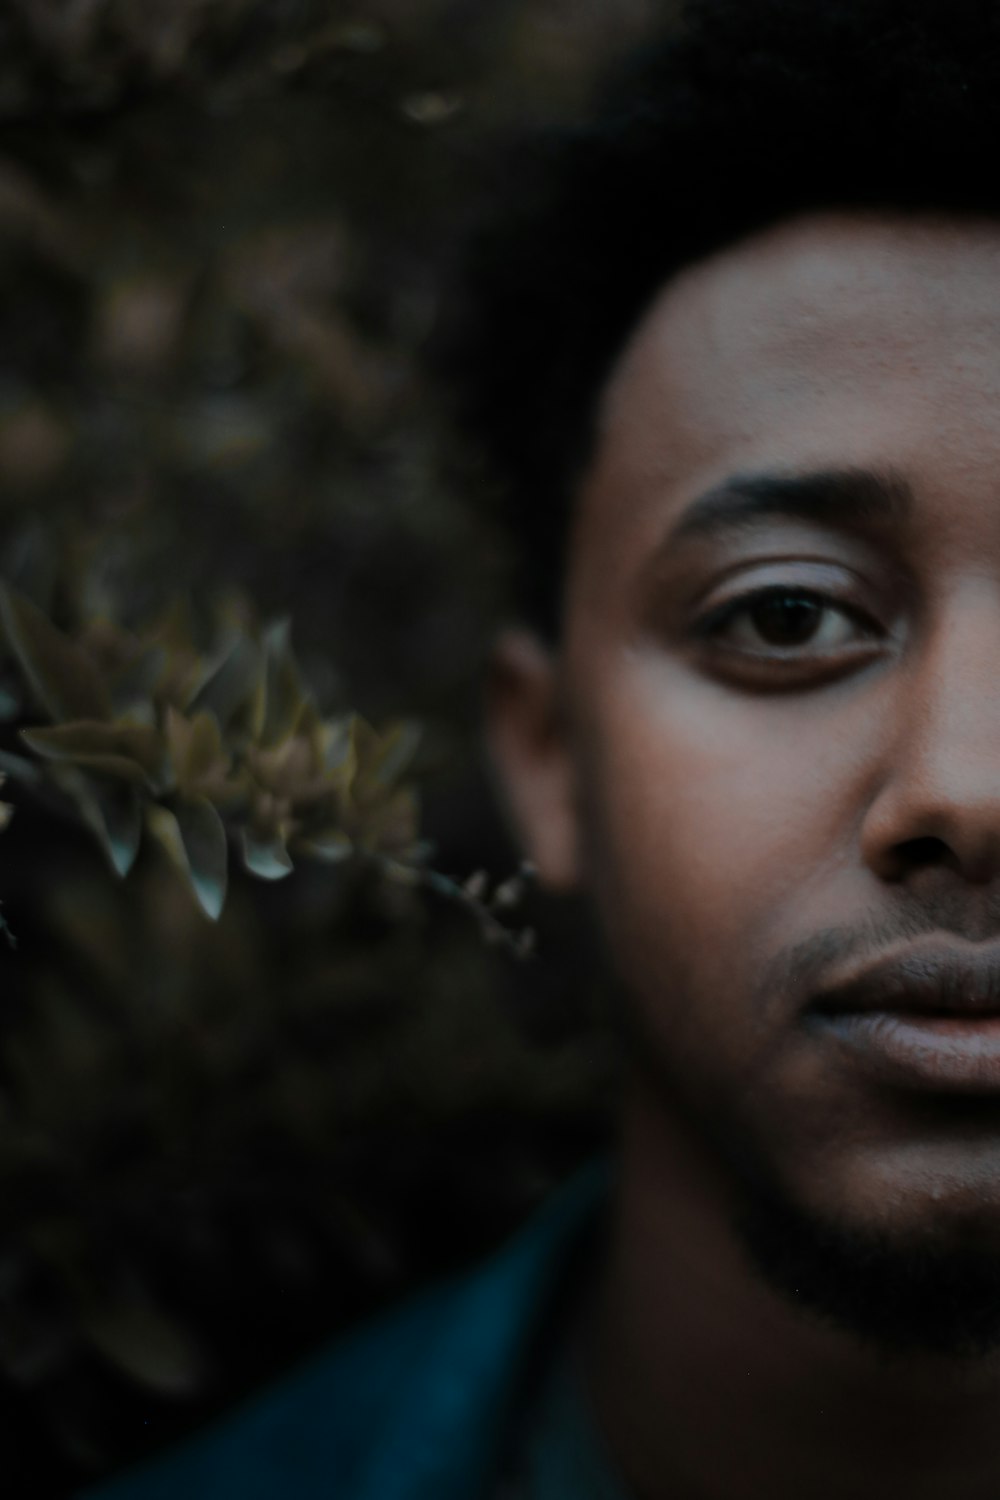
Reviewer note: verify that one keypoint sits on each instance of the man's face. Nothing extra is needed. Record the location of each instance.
(769, 745)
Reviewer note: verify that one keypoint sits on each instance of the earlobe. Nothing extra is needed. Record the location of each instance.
(530, 748)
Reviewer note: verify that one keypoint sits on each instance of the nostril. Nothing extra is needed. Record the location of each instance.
(917, 853)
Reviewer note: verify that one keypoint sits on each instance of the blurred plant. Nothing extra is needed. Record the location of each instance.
(182, 1096)
(198, 751)
(225, 227)
(206, 751)
(490, 906)
(223, 1140)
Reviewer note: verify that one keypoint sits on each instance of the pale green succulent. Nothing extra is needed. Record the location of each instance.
(201, 752)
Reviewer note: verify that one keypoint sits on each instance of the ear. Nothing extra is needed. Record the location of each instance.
(529, 744)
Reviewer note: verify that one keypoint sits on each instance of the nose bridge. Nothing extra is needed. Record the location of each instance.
(954, 719)
(944, 780)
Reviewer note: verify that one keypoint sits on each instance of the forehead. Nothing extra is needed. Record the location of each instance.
(829, 341)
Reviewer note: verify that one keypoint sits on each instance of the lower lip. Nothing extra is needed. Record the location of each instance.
(955, 1053)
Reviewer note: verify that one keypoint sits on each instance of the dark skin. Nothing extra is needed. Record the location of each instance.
(740, 784)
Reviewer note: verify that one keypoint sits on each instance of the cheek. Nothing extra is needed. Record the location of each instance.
(720, 826)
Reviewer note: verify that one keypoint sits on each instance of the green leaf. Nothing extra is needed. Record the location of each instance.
(196, 749)
(195, 839)
(62, 677)
(163, 827)
(283, 692)
(112, 810)
(391, 825)
(266, 857)
(11, 702)
(229, 690)
(332, 847)
(132, 1334)
(20, 768)
(396, 749)
(130, 751)
(379, 759)
(115, 766)
(133, 686)
(204, 838)
(337, 741)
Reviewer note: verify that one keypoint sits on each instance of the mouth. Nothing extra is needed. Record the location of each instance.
(923, 1018)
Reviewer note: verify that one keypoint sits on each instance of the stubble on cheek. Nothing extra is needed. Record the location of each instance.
(697, 888)
(676, 852)
(677, 948)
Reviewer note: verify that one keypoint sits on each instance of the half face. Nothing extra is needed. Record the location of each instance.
(769, 744)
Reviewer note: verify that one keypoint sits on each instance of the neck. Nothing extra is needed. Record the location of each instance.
(710, 1386)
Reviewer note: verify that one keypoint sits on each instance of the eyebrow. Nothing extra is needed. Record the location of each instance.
(845, 499)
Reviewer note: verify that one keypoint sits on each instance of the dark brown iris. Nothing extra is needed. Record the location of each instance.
(786, 619)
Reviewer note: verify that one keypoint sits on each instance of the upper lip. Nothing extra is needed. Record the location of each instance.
(924, 979)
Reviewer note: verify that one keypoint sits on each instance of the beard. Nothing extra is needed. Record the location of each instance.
(900, 1298)
(904, 1293)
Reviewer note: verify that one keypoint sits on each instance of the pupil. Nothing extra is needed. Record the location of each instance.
(786, 619)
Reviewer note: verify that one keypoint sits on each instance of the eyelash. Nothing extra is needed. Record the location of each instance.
(712, 625)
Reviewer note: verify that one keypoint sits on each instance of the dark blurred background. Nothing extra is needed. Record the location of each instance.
(226, 227)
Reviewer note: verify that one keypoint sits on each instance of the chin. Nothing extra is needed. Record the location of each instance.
(938, 1192)
(903, 1255)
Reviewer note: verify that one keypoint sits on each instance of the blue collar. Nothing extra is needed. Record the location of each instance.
(413, 1407)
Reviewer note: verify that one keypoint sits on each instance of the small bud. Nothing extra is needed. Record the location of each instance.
(476, 885)
(527, 943)
(431, 107)
(509, 894)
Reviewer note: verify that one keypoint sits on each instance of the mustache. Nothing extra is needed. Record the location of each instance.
(802, 969)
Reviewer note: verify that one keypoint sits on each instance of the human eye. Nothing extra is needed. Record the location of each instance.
(790, 631)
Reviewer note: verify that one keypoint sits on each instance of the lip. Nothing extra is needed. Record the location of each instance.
(926, 1017)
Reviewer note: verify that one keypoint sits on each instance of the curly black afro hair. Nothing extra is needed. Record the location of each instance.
(748, 112)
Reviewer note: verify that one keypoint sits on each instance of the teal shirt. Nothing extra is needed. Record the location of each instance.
(564, 1455)
(415, 1407)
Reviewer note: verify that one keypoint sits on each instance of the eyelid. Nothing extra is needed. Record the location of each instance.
(821, 576)
(719, 615)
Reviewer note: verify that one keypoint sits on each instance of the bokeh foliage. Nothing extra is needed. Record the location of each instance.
(147, 735)
(225, 228)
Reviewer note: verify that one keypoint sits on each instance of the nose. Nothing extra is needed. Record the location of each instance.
(939, 797)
